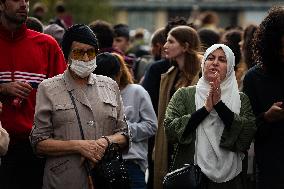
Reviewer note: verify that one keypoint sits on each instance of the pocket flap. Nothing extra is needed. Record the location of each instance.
(64, 106)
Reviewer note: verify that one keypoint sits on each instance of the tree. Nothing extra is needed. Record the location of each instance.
(90, 10)
(84, 11)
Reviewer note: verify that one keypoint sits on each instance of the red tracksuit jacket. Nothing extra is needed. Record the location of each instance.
(29, 56)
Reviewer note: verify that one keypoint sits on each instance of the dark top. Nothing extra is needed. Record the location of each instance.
(226, 115)
(263, 90)
(152, 80)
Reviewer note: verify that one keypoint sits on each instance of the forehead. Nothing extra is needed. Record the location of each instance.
(171, 37)
(218, 52)
(78, 45)
(13, 1)
(120, 38)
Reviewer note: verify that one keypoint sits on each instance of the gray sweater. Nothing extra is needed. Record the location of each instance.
(141, 120)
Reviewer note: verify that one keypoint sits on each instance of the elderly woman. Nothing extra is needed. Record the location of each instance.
(65, 100)
(212, 122)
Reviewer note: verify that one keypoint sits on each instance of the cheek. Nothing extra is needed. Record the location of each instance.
(223, 72)
(207, 75)
(174, 52)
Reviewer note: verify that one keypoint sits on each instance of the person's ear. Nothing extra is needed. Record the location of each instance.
(186, 46)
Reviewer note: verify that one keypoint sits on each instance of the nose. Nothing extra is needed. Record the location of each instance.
(86, 57)
(165, 45)
(24, 4)
(216, 62)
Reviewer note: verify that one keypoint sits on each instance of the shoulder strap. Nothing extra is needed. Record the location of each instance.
(87, 162)
(77, 114)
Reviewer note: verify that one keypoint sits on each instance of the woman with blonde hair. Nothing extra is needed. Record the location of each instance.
(182, 49)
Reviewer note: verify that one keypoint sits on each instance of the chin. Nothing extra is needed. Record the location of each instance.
(208, 78)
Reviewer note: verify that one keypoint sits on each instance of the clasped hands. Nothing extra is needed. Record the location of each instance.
(214, 94)
(93, 149)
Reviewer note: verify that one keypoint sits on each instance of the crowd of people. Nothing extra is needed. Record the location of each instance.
(198, 93)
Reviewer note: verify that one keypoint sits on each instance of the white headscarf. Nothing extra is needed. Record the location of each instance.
(220, 165)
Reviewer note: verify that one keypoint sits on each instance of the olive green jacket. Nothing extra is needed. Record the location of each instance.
(161, 144)
(236, 138)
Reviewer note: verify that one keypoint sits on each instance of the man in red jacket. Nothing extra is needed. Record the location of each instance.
(26, 58)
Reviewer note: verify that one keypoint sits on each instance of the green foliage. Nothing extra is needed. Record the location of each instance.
(82, 11)
(86, 11)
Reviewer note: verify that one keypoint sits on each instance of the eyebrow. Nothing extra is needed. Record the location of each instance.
(83, 49)
(218, 56)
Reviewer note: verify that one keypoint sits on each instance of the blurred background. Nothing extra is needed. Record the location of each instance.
(153, 14)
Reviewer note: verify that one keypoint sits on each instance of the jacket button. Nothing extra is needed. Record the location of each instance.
(91, 123)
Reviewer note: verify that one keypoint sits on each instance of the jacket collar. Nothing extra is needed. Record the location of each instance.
(13, 36)
(71, 85)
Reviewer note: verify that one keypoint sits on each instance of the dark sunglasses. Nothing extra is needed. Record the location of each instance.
(80, 53)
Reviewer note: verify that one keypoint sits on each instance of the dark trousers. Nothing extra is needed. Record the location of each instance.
(150, 182)
(268, 179)
(136, 175)
(20, 168)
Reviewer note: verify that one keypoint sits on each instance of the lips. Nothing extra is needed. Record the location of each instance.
(214, 70)
(23, 12)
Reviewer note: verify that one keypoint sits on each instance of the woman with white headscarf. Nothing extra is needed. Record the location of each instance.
(212, 122)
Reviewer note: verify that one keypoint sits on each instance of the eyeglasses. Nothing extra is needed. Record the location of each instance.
(80, 53)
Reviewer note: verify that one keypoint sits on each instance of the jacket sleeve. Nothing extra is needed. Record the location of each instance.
(121, 126)
(151, 84)
(239, 136)
(147, 125)
(42, 128)
(177, 117)
(56, 61)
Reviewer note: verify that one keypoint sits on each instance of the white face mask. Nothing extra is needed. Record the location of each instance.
(83, 69)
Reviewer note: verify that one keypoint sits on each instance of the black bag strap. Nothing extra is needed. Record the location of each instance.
(174, 158)
(77, 114)
(86, 163)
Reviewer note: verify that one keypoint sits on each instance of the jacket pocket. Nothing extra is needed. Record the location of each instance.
(60, 167)
(64, 113)
(108, 96)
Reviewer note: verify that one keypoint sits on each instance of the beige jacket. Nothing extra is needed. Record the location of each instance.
(100, 108)
(161, 144)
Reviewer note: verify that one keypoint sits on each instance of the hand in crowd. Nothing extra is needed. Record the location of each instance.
(214, 94)
(209, 102)
(17, 88)
(216, 89)
(275, 112)
(93, 149)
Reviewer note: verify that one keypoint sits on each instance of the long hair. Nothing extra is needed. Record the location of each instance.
(268, 40)
(248, 36)
(124, 75)
(232, 38)
(188, 37)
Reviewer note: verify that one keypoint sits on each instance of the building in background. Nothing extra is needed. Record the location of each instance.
(153, 14)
